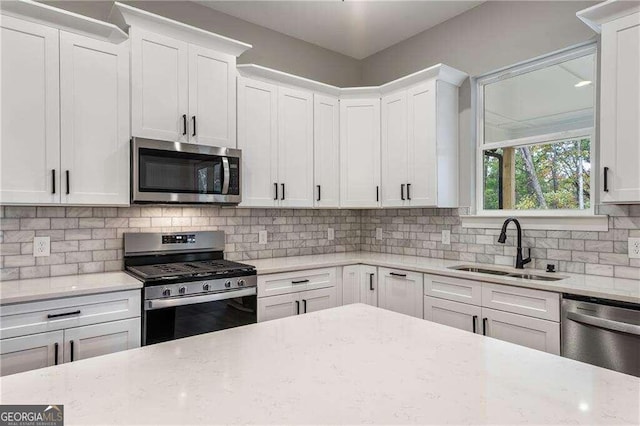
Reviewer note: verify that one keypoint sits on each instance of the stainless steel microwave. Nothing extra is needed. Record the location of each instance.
(173, 172)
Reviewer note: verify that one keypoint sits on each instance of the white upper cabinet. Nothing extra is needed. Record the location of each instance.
(30, 151)
(295, 147)
(159, 86)
(395, 150)
(619, 23)
(183, 80)
(360, 153)
(326, 139)
(94, 103)
(258, 140)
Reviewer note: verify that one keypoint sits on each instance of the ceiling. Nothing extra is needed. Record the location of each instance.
(353, 28)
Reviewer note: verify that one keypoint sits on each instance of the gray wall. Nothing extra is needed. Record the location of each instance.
(485, 38)
(270, 48)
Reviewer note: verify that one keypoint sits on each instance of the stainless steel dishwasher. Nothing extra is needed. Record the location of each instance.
(601, 332)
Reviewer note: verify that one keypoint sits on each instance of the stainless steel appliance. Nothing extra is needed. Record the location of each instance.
(601, 332)
(173, 172)
(189, 288)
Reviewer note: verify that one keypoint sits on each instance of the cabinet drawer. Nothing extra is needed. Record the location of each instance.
(525, 301)
(39, 317)
(456, 289)
(274, 284)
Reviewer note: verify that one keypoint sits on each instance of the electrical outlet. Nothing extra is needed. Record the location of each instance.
(331, 235)
(378, 233)
(634, 248)
(41, 246)
(446, 236)
(262, 237)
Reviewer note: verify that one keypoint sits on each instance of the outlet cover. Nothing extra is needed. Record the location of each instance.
(262, 237)
(634, 248)
(446, 236)
(331, 235)
(378, 233)
(41, 246)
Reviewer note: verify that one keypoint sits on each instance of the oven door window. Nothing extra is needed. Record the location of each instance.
(179, 172)
(166, 324)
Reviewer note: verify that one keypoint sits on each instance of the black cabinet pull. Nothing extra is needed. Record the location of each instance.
(194, 126)
(377, 193)
(484, 326)
(606, 183)
(299, 282)
(67, 176)
(71, 342)
(319, 193)
(184, 124)
(473, 321)
(275, 185)
(402, 191)
(297, 307)
(409, 191)
(304, 304)
(371, 282)
(395, 274)
(55, 355)
(66, 314)
(282, 184)
(53, 181)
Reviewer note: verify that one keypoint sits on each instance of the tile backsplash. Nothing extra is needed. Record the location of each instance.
(89, 239)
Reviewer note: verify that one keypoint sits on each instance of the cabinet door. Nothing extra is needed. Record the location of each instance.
(422, 153)
(94, 116)
(30, 352)
(326, 141)
(317, 300)
(159, 86)
(620, 109)
(400, 291)
(359, 152)
(351, 277)
(281, 306)
(394, 150)
(212, 97)
(30, 113)
(459, 315)
(522, 330)
(101, 339)
(295, 147)
(257, 137)
(369, 285)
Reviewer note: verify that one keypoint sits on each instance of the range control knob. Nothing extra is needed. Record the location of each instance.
(241, 283)
(182, 290)
(166, 292)
(227, 284)
(206, 286)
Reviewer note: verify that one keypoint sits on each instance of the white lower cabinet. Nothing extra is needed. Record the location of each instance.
(360, 284)
(522, 330)
(400, 291)
(44, 333)
(454, 314)
(295, 293)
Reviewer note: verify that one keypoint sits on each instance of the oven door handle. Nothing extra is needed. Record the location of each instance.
(227, 176)
(604, 323)
(150, 305)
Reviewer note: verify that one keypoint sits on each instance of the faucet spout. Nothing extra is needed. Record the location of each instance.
(520, 261)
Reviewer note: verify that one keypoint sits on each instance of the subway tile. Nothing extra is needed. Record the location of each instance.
(627, 272)
(599, 246)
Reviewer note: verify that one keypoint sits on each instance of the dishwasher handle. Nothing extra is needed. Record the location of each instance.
(604, 323)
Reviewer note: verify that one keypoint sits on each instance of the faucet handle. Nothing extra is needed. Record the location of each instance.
(528, 259)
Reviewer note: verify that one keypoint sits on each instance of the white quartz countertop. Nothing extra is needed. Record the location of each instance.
(70, 285)
(621, 289)
(347, 365)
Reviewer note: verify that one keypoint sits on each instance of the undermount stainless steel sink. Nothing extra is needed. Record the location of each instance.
(500, 272)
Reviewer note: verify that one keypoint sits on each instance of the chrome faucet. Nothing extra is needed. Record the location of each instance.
(520, 262)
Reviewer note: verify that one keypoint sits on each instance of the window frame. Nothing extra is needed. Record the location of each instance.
(534, 64)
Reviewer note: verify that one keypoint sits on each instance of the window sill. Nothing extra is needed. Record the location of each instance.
(550, 223)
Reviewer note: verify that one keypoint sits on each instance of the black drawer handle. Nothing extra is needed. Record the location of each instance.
(319, 193)
(473, 322)
(304, 303)
(299, 282)
(66, 314)
(71, 342)
(371, 282)
(53, 180)
(402, 191)
(606, 183)
(184, 124)
(297, 307)
(275, 185)
(484, 326)
(55, 355)
(395, 274)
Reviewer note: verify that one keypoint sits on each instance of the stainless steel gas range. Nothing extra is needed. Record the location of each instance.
(189, 288)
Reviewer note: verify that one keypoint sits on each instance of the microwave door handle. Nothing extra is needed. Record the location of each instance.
(227, 175)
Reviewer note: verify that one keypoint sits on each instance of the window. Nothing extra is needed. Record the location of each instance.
(535, 136)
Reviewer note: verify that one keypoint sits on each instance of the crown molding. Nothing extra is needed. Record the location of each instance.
(604, 12)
